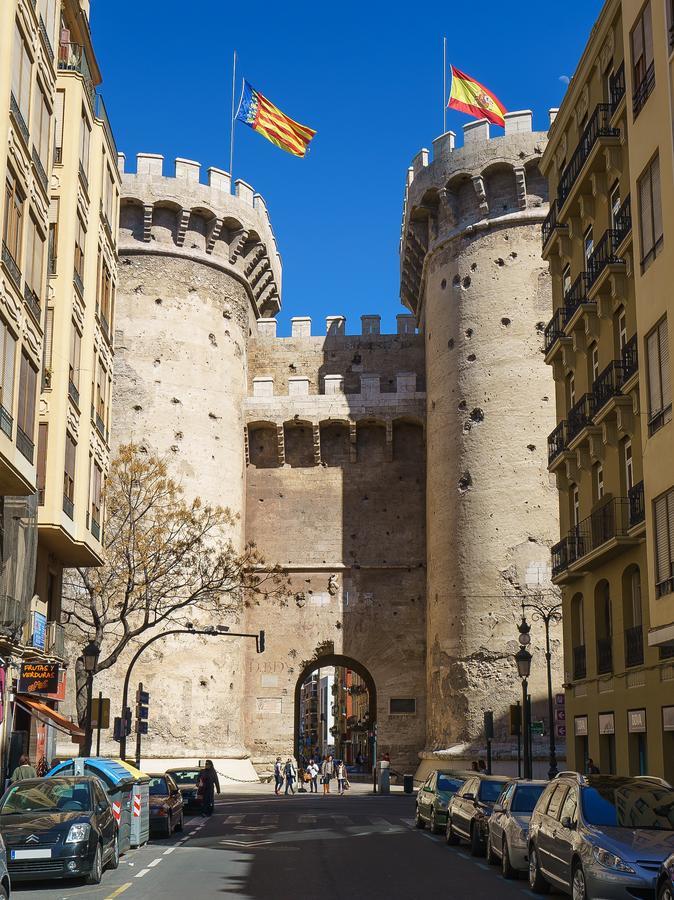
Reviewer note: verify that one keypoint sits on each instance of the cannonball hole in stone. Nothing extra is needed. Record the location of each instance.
(505, 321)
(471, 357)
(443, 283)
(456, 280)
(466, 282)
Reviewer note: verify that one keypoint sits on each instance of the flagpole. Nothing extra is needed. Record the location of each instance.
(444, 85)
(231, 124)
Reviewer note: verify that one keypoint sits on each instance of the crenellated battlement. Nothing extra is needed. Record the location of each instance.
(335, 327)
(458, 191)
(206, 221)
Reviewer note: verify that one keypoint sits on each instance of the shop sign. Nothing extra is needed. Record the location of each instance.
(668, 718)
(60, 693)
(38, 678)
(606, 723)
(580, 726)
(636, 721)
(39, 630)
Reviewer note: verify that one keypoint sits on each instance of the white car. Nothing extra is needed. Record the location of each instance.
(509, 826)
(5, 883)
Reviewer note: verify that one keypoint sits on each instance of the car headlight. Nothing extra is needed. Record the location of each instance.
(78, 833)
(611, 861)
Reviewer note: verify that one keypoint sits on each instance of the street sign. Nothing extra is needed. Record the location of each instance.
(142, 697)
(560, 730)
(560, 699)
(538, 727)
(141, 727)
(560, 715)
(104, 713)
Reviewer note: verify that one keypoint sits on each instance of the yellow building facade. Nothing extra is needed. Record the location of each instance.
(609, 164)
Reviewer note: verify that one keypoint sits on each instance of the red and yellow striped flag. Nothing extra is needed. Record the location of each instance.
(262, 116)
(469, 96)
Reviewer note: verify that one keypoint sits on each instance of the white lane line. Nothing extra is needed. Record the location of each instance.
(143, 872)
(234, 820)
(155, 862)
(307, 820)
(270, 820)
(169, 850)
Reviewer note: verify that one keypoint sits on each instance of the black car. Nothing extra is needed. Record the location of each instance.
(666, 880)
(166, 805)
(188, 783)
(469, 810)
(60, 827)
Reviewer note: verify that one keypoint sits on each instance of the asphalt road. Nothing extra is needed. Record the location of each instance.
(260, 847)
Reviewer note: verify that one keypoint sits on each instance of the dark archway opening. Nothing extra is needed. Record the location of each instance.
(336, 712)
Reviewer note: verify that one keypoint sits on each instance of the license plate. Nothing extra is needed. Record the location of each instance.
(31, 854)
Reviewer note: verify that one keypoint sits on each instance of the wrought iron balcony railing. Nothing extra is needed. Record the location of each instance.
(11, 266)
(630, 355)
(100, 425)
(24, 444)
(95, 529)
(637, 512)
(612, 520)
(550, 222)
(598, 127)
(617, 87)
(18, 118)
(580, 416)
(554, 329)
(579, 662)
(79, 284)
(73, 393)
(84, 178)
(604, 655)
(39, 170)
(603, 255)
(608, 384)
(557, 442)
(32, 302)
(643, 90)
(45, 40)
(73, 58)
(576, 295)
(6, 422)
(623, 220)
(634, 646)
(102, 114)
(68, 507)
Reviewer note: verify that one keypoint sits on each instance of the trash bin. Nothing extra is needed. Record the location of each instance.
(118, 782)
(140, 805)
(408, 783)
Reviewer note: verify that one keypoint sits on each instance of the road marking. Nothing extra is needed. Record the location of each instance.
(169, 850)
(120, 890)
(345, 820)
(234, 820)
(155, 862)
(378, 820)
(143, 872)
(270, 820)
(307, 820)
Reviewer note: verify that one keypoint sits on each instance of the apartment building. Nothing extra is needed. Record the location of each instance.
(609, 164)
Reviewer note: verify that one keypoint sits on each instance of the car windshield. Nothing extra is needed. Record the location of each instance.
(449, 784)
(186, 776)
(158, 786)
(526, 797)
(50, 795)
(630, 804)
(490, 791)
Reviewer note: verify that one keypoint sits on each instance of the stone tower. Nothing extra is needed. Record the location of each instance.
(472, 274)
(198, 268)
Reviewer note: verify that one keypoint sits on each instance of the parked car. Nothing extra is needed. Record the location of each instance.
(188, 782)
(665, 889)
(166, 804)
(601, 836)
(433, 797)
(470, 808)
(5, 882)
(509, 826)
(60, 827)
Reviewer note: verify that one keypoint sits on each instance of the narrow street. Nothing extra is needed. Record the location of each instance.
(262, 847)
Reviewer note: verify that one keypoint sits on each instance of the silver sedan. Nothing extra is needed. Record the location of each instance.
(509, 826)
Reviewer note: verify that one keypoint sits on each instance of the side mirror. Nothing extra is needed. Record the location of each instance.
(101, 806)
(469, 797)
(567, 822)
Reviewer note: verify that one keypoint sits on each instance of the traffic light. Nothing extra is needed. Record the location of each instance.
(122, 726)
(142, 710)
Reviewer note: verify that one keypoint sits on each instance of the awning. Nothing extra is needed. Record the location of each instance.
(49, 716)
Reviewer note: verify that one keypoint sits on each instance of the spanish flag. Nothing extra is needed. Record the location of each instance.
(262, 116)
(469, 96)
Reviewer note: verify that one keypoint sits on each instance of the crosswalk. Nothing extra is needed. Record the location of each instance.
(268, 821)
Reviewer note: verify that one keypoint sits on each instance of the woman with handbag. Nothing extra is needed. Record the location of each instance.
(341, 777)
(327, 773)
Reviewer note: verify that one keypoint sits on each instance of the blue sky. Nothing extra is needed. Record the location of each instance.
(367, 76)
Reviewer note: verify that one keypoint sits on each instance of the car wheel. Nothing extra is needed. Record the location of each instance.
(418, 821)
(476, 843)
(665, 892)
(537, 883)
(3, 892)
(96, 872)
(579, 889)
(169, 826)
(450, 837)
(433, 825)
(492, 858)
(506, 868)
(181, 821)
(114, 859)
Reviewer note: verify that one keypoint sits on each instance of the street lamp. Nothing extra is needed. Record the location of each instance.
(90, 656)
(548, 615)
(523, 662)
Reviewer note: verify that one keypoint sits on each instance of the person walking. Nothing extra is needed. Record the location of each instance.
(327, 773)
(592, 769)
(290, 773)
(278, 776)
(312, 772)
(208, 783)
(340, 771)
(24, 770)
(482, 766)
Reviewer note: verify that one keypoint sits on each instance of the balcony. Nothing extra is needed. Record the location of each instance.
(6, 422)
(100, 426)
(580, 416)
(551, 224)
(634, 646)
(24, 444)
(598, 127)
(579, 662)
(604, 532)
(105, 328)
(102, 114)
(73, 393)
(554, 329)
(11, 266)
(576, 296)
(73, 58)
(68, 507)
(55, 642)
(643, 90)
(637, 511)
(12, 617)
(659, 418)
(83, 177)
(39, 170)
(604, 255)
(557, 442)
(33, 303)
(623, 221)
(608, 384)
(18, 118)
(95, 529)
(79, 284)
(49, 50)
(617, 87)
(561, 557)
(630, 358)
(604, 655)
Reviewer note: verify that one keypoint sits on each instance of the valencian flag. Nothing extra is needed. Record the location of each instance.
(469, 96)
(262, 116)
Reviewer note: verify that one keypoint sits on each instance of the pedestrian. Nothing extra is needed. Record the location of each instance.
(482, 766)
(278, 775)
(312, 772)
(208, 785)
(23, 770)
(360, 762)
(340, 771)
(327, 773)
(290, 773)
(474, 766)
(592, 769)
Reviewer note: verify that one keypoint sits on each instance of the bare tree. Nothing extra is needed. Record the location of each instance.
(167, 563)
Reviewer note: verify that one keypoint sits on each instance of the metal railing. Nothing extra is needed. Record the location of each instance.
(17, 115)
(77, 281)
(73, 58)
(45, 40)
(102, 114)
(100, 425)
(6, 422)
(24, 444)
(105, 328)
(609, 521)
(580, 416)
(39, 169)
(84, 178)
(659, 418)
(617, 87)
(579, 662)
(73, 393)
(55, 640)
(630, 357)
(557, 442)
(637, 512)
(608, 384)
(32, 302)
(598, 127)
(68, 507)
(576, 295)
(623, 220)
(634, 646)
(13, 615)
(554, 329)
(604, 655)
(643, 90)
(58, 155)
(603, 255)
(11, 265)
(550, 222)
(95, 529)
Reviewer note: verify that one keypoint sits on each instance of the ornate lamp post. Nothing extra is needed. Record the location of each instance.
(523, 661)
(551, 615)
(90, 656)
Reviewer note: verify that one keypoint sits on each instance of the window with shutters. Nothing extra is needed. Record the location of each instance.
(663, 509)
(621, 322)
(74, 362)
(650, 213)
(588, 246)
(670, 24)
(25, 418)
(659, 378)
(593, 357)
(574, 495)
(566, 280)
(598, 481)
(48, 10)
(7, 362)
(42, 435)
(80, 237)
(22, 73)
(53, 246)
(40, 127)
(628, 462)
(59, 111)
(48, 348)
(69, 475)
(643, 68)
(96, 493)
(12, 223)
(614, 203)
(35, 261)
(570, 390)
(85, 140)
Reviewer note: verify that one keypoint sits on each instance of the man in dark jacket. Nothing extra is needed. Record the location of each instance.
(209, 784)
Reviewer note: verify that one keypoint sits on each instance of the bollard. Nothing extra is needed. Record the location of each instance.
(408, 784)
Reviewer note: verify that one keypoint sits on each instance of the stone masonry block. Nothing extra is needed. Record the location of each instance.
(443, 145)
(519, 121)
(263, 386)
(370, 324)
(300, 326)
(420, 161)
(552, 112)
(370, 385)
(406, 382)
(335, 325)
(244, 192)
(149, 163)
(405, 323)
(266, 328)
(220, 180)
(298, 386)
(334, 384)
(188, 170)
(121, 162)
(476, 132)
